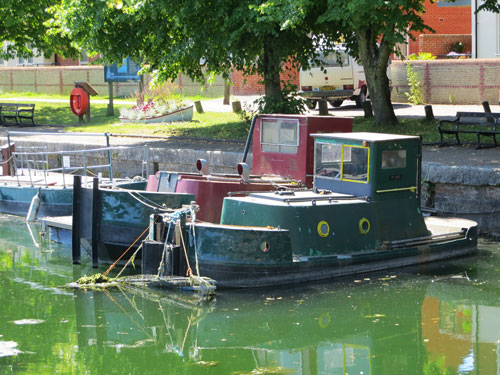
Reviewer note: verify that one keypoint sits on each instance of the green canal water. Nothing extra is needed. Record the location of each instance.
(439, 319)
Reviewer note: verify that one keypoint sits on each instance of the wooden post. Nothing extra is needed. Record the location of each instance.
(198, 106)
(486, 106)
(487, 109)
(227, 92)
(429, 114)
(110, 111)
(96, 215)
(367, 108)
(75, 228)
(236, 106)
(323, 107)
(87, 113)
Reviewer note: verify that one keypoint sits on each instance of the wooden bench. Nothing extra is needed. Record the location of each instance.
(479, 123)
(15, 113)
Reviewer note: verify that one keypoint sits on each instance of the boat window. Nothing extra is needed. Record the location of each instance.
(280, 135)
(355, 163)
(394, 159)
(328, 159)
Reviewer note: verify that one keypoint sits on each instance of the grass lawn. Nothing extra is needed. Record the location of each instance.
(221, 125)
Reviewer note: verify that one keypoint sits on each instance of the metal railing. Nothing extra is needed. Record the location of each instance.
(31, 161)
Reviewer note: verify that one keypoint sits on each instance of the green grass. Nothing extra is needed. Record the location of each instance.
(427, 129)
(221, 125)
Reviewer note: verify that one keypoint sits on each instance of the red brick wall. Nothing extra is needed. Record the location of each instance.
(441, 44)
(444, 20)
(252, 85)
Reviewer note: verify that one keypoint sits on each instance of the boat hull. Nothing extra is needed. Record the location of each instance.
(54, 201)
(123, 218)
(231, 272)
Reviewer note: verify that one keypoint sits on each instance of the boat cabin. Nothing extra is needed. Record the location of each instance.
(282, 144)
(374, 165)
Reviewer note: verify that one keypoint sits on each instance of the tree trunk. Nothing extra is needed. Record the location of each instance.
(375, 58)
(272, 69)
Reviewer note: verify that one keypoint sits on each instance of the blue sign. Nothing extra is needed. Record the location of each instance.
(127, 71)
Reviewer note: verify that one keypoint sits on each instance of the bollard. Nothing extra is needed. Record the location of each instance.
(429, 114)
(198, 106)
(236, 106)
(323, 107)
(367, 109)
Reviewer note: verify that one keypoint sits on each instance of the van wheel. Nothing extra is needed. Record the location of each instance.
(311, 104)
(361, 98)
(336, 103)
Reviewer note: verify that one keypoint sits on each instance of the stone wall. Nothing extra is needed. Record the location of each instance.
(450, 81)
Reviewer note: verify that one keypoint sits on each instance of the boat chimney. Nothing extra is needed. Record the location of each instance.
(244, 171)
(202, 166)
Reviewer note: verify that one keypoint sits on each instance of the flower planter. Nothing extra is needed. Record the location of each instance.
(183, 114)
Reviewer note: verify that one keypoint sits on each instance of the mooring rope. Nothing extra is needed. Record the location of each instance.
(126, 251)
(155, 207)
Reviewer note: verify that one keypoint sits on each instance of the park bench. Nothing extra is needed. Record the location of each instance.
(15, 113)
(479, 123)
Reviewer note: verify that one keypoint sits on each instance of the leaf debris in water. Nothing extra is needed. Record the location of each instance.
(96, 278)
(8, 348)
(207, 363)
(28, 321)
(268, 370)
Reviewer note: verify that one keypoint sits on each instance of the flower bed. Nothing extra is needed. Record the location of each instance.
(155, 112)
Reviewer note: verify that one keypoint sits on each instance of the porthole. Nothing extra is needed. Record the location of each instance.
(323, 228)
(364, 225)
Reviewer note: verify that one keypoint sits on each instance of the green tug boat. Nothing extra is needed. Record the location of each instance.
(362, 215)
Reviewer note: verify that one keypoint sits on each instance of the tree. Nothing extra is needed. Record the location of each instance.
(491, 5)
(195, 37)
(371, 30)
(23, 25)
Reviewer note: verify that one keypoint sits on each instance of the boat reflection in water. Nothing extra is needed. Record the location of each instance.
(409, 322)
(395, 327)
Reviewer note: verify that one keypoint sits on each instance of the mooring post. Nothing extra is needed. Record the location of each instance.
(429, 113)
(75, 228)
(323, 107)
(96, 215)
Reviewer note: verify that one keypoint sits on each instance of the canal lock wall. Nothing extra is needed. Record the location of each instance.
(460, 191)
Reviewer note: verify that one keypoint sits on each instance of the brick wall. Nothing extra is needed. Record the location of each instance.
(456, 81)
(440, 44)
(444, 20)
(60, 80)
(252, 86)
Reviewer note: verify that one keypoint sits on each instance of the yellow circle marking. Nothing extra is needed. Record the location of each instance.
(364, 225)
(322, 225)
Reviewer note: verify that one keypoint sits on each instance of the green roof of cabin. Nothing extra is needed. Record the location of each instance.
(365, 136)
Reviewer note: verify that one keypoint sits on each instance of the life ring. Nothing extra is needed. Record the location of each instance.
(364, 225)
(79, 101)
(324, 320)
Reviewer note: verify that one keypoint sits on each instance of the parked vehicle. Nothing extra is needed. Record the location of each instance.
(338, 77)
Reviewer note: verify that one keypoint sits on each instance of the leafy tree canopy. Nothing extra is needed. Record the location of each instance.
(195, 37)
(24, 25)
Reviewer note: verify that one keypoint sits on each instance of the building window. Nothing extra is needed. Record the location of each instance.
(280, 135)
(451, 3)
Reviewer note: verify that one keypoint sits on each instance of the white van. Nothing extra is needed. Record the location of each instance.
(339, 78)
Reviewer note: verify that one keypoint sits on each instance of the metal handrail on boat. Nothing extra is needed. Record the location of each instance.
(42, 157)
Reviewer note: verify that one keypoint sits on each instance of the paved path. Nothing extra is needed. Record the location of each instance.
(452, 156)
